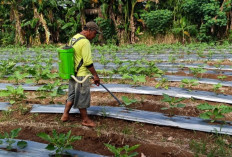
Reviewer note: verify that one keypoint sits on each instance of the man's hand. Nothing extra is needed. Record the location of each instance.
(96, 80)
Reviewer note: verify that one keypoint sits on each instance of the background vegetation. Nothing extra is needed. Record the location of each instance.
(34, 22)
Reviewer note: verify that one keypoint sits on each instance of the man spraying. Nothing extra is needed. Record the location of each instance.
(79, 93)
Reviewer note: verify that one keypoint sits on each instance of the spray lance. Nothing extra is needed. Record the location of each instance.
(66, 67)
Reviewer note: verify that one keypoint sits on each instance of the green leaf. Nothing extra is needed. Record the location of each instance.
(180, 105)
(50, 147)
(164, 108)
(44, 136)
(1, 142)
(133, 147)
(205, 106)
(204, 116)
(12, 102)
(22, 144)
(15, 132)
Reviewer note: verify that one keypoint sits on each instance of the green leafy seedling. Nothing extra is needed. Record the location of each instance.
(17, 76)
(222, 77)
(198, 70)
(9, 139)
(59, 142)
(189, 83)
(216, 88)
(136, 79)
(173, 103)
(128, 101)
(213, 112)
(15, 94)
(163, 83)
(124, 151)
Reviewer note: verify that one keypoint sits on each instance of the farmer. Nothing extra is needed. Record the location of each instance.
(79, 93)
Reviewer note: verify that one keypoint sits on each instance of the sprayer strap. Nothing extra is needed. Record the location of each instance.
(76, 40)
(81, 62)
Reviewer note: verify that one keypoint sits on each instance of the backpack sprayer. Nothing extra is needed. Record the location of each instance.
(67, 68)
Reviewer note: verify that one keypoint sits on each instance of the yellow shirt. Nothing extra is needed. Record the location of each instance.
(82, 50)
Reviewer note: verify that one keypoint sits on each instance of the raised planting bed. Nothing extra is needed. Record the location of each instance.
(183, 122)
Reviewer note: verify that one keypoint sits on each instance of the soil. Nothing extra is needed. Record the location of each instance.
(154, 141)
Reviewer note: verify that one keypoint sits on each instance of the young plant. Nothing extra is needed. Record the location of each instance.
(136, 79)
(128, 101)
(216, 88)
(197, 71)
(222, 77)
(124, 151)
(59, 142)
(17, 76)
(189, 83)
(163, 83)
(173, 103)
(219, 66)
(213, 112)
(15, 94)
(9, 139)
(171, 59)
(6, 67)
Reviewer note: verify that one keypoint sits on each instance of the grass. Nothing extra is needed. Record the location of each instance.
(216, 146)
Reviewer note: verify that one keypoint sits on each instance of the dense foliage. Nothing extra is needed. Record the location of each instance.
(33, 22)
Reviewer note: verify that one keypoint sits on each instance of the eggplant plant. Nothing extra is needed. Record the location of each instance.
(216, 88)
(9, 139)
(197, 71)
(128, 101)
(6, 67)
(173, 103)
(17, 76)
(188, 83)
(213, 112)
(59, 142)
(104, 61)
(40, 72)
(125, 151)
(15, 94)
(52, 90)
(163, 83)
(222, 77)
(219, 66)
(136, 79)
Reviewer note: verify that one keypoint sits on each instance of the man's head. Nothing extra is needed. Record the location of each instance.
(91, 29)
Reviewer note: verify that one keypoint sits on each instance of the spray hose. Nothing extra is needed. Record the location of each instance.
(82, 81)
(87, 76)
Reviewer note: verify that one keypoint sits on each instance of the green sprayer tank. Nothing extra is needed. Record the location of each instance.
(66, 62)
